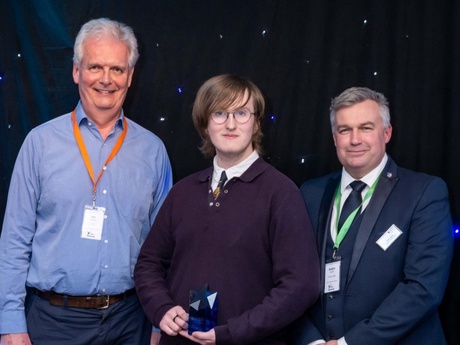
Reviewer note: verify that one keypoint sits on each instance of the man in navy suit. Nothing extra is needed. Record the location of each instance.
(386, 266)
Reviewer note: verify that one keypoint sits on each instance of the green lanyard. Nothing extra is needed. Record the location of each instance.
(346, 225)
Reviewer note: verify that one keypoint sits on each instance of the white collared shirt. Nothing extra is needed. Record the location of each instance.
(345, 190)
(234, 171)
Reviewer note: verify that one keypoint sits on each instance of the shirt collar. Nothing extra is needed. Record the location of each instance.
(236, 170)
(369, 179)
(82, 115)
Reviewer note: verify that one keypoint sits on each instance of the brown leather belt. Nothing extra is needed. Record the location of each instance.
(88, 302)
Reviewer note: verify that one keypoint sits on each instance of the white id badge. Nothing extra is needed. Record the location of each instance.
(93, 221)
(332, 276)
(387, 239)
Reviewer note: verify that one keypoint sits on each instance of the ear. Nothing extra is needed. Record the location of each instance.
(76, 73)
(130, 76)
(387, 133)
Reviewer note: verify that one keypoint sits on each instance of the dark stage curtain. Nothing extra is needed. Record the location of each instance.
(300, 52)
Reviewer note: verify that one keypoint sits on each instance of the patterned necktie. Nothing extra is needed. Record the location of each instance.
(353, 201)
(223, 178)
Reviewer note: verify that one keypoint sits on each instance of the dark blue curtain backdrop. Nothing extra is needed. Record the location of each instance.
(300, 52)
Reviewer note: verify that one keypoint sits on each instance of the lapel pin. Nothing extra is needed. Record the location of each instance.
(389, 175)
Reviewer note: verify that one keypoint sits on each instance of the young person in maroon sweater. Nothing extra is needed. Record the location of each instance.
(253, 243)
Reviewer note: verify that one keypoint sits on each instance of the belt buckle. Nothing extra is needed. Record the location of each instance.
(107, 302)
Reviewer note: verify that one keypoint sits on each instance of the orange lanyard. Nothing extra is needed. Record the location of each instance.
(84, 153)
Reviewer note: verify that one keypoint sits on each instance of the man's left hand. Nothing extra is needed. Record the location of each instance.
(203, 338)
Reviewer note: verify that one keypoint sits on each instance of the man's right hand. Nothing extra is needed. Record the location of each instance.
(15, 339)
(174, 321)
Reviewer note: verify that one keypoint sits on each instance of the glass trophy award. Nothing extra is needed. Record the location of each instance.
(202, 310)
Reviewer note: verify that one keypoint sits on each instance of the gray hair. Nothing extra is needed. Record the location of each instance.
(355, 95)
(106, 27)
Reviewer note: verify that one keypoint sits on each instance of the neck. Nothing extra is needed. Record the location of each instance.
(228, 160)
(104, 121)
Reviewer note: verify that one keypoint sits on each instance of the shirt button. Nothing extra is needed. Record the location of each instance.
(217, 204)
(104, 167)
(330, 297)
(330, 317)
(104, 191)
(226, 191)
(106, 266)
(106, 241)
(211, 203)
(105, 216)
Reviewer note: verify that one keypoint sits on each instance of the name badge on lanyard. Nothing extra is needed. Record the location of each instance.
(93, 222)
(332, 269)
(93, 216)
(332, 276)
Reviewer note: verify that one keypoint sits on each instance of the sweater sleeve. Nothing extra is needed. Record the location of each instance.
(151, 268)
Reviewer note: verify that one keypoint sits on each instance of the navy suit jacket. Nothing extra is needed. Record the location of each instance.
(392, 296)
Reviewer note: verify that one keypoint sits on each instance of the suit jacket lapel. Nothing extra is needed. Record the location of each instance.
(326, 209)
(388, 180)
(324, 220)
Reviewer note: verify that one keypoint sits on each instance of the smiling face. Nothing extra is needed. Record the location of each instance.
(233, 140)
(103, 77)
(360, 137)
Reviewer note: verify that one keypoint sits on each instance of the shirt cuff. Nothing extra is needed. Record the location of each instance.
(342, 341)
(14, 321)
(316, 342)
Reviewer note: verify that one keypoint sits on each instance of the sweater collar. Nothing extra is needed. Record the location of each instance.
(256, 168)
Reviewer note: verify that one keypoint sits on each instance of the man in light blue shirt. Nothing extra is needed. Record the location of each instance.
(84, 193)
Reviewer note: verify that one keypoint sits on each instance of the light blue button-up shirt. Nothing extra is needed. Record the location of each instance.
(41, 244)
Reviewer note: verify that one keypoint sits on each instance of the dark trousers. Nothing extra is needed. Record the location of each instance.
(123, 323)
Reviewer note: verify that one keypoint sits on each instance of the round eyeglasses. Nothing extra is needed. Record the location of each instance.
(240, 116)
